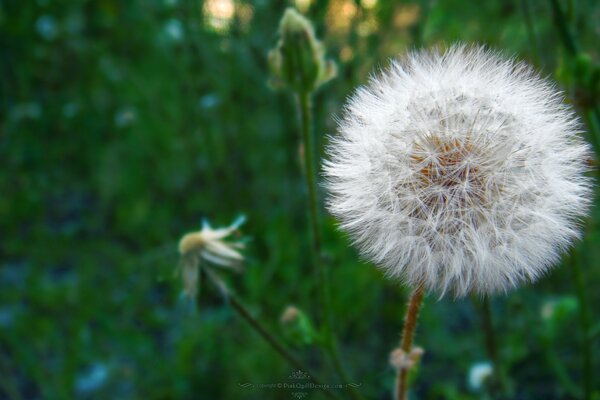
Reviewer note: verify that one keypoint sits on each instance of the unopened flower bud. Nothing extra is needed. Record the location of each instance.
(298, 60)
(297, 327)
(290, 314)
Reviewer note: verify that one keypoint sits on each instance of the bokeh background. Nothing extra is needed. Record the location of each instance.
(124, 123)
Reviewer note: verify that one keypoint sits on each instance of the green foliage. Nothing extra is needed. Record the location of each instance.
(124, 123)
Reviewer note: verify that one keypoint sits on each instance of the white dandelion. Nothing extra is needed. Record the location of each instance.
(460, 171)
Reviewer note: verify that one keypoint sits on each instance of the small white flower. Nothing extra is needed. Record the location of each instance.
(208, 245)
(460, 170)
(479, 374)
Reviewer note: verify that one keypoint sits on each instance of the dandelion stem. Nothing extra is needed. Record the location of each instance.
(488, 328)
(242, 311)
(304, 105)
(331, 345)
(408, 333)
(571, 44)
(564, 29)
(573, 47)
(491, 346)
(584, 318)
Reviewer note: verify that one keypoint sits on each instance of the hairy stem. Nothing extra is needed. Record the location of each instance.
(255, 324)
(585, 321)
(406, 341)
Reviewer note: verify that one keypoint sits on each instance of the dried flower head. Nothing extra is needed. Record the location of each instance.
(208, 245)
(400, 360)
(460, 170)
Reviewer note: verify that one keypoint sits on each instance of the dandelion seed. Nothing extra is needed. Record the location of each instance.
(460, 171)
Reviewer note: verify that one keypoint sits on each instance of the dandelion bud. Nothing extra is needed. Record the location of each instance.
(298, 61)
(297, 327)
(460, 171)
(290, 314)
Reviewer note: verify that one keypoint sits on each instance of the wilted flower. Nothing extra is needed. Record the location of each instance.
(460, 171)
(298, 61)
(479, 374)
(400, 360)
(208, 245)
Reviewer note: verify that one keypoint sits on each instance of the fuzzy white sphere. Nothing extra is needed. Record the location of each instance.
(459, 170)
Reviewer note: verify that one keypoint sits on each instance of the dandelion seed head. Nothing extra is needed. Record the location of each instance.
(459, 170)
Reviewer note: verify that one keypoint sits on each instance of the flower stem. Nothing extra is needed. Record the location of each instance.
(530, 28)
(573, 47)
(498, 383)
(304, 105)
(584, 318)
(331, 345)
(408, 333)
(242, 311)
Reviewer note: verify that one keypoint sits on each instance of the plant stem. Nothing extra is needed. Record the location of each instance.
(304, 105)
(331, 345)
(573, 47)
(408, 333)
(492, 347)
(531, 36)
(488, 328)
(564, 29)
(242, 311)
(584, 318)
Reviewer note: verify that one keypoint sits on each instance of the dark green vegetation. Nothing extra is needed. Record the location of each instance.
(124, 123)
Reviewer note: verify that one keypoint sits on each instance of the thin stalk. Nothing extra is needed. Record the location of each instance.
(531, 36)
(304, 106)
(558, 367)
(585, 321)
(573, 47)
(564, 29)
(331, 345)
(406, 341)
(255, 324)
(491, 346)
(593, 118)
(488, 329)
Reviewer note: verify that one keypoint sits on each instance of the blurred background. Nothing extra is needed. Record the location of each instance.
(124, 124)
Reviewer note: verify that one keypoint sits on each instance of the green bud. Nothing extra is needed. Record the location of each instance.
(297, 327)
(298, 60)
(557, 314)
